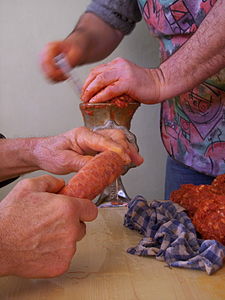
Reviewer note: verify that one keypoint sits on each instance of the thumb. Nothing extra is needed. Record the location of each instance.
(86, 209)
(136, 158)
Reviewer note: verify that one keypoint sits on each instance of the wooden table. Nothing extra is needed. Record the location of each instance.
(103, 270)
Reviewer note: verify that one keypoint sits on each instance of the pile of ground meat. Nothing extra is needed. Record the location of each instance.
(205, 205)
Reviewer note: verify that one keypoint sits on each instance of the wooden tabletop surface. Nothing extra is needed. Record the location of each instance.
(103, 270)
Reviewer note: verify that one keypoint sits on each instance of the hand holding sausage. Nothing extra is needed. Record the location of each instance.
(39, 229)
(70, 151)
(62, 154)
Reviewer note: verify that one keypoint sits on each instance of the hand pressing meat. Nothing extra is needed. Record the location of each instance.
(205, 205)
(62, 154)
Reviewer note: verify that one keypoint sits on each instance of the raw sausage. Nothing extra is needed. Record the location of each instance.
(205, 205)
(190, 196)
(209, 219)
(97, 174)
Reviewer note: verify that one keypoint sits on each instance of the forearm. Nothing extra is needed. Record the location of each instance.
(16, 156)
(95, 38)
(202, 56)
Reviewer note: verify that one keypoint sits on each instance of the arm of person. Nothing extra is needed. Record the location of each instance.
(62, 154)
(202, 56)
(15, 157)
(96, 39)
(39, 229)
(90, 41)
(98, 32)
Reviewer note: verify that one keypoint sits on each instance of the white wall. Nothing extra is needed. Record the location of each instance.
(31, 106)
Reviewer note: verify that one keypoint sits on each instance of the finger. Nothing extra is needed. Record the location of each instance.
(120, 137)
(48, 65)
(113, 90)
(56, 76)
(48, 54)
(99, 83)
(44, 183)
(117, 135)
(113, 66)
(86, 210)
(97, 142)
(53, 72)
(135, 157)
(93, 74)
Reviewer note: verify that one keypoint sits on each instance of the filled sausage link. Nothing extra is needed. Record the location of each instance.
(96, 175)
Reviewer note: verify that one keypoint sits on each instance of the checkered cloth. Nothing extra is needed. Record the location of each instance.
(170, 236)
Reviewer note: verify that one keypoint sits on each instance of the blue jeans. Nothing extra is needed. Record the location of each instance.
(177, 174)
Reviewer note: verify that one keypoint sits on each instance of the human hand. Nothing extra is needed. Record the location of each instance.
(71, 51)
(119, 137)
(70, 151)
(39, 229)
(119, 77)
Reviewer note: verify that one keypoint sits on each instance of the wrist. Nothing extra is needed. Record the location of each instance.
(156, 86)
(171, 83)
(26, 152)
(35, 152)
(79, 44)
(16, 158)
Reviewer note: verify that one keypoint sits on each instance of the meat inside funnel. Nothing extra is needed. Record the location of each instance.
(116, 114)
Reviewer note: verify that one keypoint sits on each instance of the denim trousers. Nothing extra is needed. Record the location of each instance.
(177, 174)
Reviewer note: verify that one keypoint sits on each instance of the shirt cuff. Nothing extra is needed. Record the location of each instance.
(121, 18)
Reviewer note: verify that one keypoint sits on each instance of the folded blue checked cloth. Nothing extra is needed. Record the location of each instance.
(170, 236)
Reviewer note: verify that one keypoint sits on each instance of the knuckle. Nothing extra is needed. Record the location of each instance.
(122, 61)
(66, 208)
(120, 134)
(82, 130)
(111, 91)
(101, 139)
(95, 69)
(118, 59)
(27, 183)
(63, 163)
(46, 177)
(102, 77)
